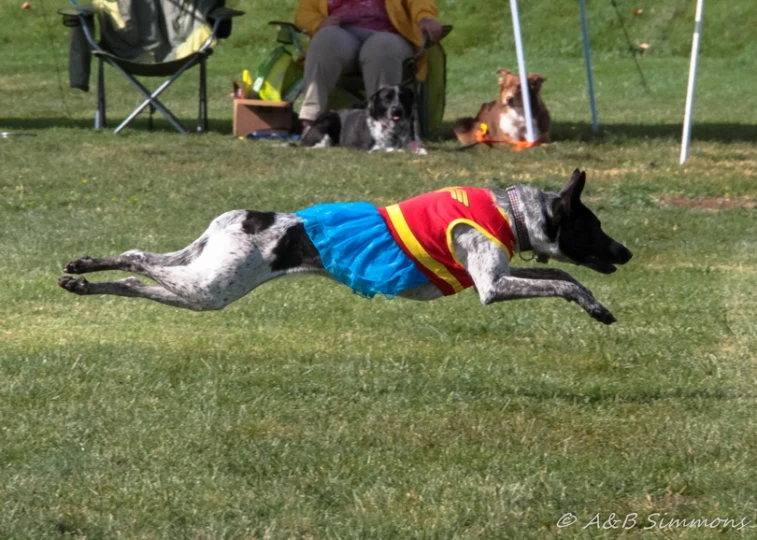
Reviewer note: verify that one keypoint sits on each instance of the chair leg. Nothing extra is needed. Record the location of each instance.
(202, 115)
(422, 107)
(100, 113)
(152, 98)
(150, 112)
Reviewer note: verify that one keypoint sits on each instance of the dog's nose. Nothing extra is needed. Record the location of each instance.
(621, 253)
(396, 112)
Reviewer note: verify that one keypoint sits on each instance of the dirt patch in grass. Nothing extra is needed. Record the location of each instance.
(710, 203)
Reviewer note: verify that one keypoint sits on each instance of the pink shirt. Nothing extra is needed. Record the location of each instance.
(368, 14)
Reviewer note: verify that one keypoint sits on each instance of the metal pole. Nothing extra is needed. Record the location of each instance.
(587, 58)
(686, 137)
(522, 69)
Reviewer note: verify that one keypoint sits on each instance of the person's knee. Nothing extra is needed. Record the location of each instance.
(330, 43)
(385, 48)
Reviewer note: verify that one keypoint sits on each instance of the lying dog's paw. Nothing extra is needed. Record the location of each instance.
(416, 148)
(79, 266)
(74, 285)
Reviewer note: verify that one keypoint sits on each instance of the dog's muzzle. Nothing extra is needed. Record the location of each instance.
(619, 254)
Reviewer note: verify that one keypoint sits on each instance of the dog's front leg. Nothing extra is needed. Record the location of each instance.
(514, 288)
(547, 273)
(496, 281)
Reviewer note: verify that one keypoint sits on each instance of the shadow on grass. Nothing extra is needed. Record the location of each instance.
(561, 131)
(714, 132)
(140, 124)
(582, 132)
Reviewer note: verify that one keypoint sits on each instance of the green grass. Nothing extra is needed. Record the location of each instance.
(305, 411)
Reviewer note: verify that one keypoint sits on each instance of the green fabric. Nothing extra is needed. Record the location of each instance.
(278, 77)
(436, 86)
(152, 30)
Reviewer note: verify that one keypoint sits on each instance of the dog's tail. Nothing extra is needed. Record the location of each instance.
(465, 129)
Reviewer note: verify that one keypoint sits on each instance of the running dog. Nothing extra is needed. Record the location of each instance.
(424, 248)
(385, 125)
(505, 118)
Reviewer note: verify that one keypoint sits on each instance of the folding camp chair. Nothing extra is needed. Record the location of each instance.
(219, 20)
(350, 90)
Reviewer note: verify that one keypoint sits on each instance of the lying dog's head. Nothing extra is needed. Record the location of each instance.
(510, 89)
(579, 233)
(391, 104)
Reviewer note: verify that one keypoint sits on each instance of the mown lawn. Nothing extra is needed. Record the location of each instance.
(305, 411)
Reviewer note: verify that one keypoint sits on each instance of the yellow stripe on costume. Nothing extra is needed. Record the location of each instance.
(504, 214)
(417, 250)
(479, 228)
(460, 195)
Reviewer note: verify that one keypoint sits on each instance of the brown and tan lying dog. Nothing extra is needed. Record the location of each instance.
(504, 119)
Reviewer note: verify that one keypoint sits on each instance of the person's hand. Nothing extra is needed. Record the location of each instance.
(431, 29)
(331, 20)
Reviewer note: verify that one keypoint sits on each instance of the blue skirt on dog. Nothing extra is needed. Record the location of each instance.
(357, 248)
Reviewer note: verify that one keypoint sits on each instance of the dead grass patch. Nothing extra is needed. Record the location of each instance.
(710, 203)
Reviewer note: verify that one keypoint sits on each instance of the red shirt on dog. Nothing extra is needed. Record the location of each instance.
(422, 226)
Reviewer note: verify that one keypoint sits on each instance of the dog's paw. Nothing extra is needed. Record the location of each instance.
(602, 314)
(74, 285)
(79, 266)
(416, 148)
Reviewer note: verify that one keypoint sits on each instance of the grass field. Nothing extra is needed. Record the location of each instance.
(303, 411)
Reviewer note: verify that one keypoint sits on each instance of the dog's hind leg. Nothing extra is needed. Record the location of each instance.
(130, 287)
(136, 261)
(239, 251)
(465, 129)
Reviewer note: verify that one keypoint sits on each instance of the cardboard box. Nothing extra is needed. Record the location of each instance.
(255, 114)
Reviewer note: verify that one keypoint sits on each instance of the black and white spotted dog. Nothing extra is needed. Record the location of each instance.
(385, 125)
(243, 249)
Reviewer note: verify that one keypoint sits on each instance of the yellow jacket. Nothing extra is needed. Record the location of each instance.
(404, 14)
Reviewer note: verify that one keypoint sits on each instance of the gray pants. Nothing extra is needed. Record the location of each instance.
(335, 50)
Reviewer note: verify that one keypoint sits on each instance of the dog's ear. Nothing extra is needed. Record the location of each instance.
(374, 103)
(407, 98)
(535, 81)
(503, 73)
(571, 193)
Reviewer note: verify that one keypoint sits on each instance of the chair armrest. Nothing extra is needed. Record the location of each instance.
(287, 25)
(446, 29)
(224, 13)
(85, 10)
(71, 15)
(289, 34)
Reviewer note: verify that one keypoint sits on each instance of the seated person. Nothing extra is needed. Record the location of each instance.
(371, 36)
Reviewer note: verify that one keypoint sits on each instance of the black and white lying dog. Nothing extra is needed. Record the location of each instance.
(243, 249)
(385, 125)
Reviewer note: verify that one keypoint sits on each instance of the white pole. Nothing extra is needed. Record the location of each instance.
(587, 58)
(686, 137)
(522, 69)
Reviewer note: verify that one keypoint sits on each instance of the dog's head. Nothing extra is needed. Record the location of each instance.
(578, 232)
(510, 93)
(391, 104)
